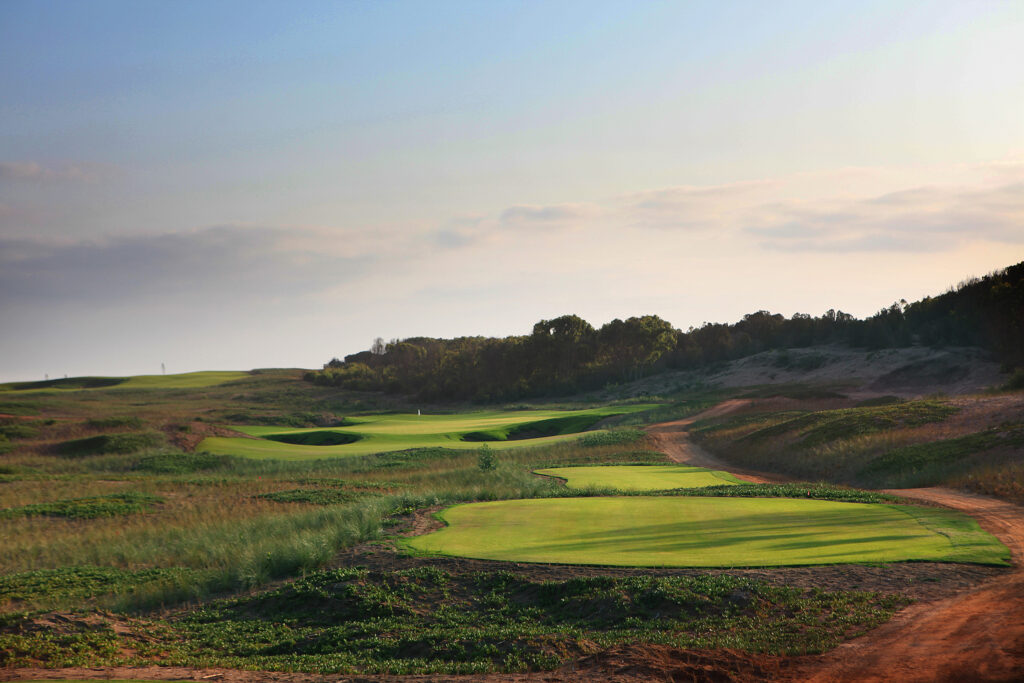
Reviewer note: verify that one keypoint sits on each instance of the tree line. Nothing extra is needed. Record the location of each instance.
(567, 354)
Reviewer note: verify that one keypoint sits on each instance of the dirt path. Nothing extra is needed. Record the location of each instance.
(975, 636)
(671, 438)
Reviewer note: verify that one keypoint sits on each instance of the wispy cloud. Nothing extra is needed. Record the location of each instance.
(36, 172)
(923, 219)
(222, 264)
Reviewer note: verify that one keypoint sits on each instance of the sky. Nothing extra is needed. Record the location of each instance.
(232, 185)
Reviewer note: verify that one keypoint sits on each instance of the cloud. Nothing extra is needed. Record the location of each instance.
(225, 265)
(35, 172)
(845, 210)
(547, 215)
(922, 219)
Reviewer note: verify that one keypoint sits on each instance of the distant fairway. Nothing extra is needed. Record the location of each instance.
(706, 532)
(186, 380)
(500, 430)
(640, 477)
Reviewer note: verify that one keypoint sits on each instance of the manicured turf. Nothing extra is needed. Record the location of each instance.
(395, 432)
(706, 532)
(640, 477)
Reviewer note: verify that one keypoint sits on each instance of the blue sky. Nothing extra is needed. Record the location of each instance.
(246, 184)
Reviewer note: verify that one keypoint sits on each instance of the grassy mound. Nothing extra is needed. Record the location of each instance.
(705, 532)
(130, 442)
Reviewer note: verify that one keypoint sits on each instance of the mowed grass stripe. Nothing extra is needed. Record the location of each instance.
(646, 531)
(639, 477)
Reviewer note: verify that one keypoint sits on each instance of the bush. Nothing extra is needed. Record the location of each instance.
(485, 459)
(1016, 381)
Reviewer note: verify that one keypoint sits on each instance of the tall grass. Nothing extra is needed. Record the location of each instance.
(218, 530)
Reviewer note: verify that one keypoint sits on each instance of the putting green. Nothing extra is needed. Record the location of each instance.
(640, 477)
(643, 531)
(395, 432)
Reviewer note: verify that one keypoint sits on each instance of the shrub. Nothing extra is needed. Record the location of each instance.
(485, 459)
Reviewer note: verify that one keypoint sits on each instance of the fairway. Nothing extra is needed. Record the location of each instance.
(185, 380)
(640, 477)
(644, 531)
(500, 430)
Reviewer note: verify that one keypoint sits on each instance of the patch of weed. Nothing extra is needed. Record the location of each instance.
(313, 496)
(112, 505)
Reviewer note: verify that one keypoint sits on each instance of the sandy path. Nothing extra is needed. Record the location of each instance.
(671, 438)
(976, 636)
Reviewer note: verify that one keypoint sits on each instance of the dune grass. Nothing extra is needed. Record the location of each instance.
(500, 429)
(639, 477)
(706, 532)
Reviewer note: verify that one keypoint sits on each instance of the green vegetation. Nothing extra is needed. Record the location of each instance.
(702, 532)
(816, 428)
(312, 496)
(882, 444)
(367, 434)
(567, 355)
(111, 505)
(639, 477)
(128, 442)
(792, 490)
(924, 463)
(427, 620)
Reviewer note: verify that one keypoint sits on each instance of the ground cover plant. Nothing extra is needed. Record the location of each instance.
(424, 620)
(670, 531)
(110, 505)
(366, 434)
(639, 477)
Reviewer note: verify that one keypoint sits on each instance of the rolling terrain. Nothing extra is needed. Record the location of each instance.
(205, 525)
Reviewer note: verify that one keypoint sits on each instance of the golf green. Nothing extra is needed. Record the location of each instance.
(639, 477)
(644, 531)
(394, 432)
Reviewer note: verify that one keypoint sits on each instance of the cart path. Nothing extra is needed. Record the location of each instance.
(975, 636)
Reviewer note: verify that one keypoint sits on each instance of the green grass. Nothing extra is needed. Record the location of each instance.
(395, 432)
(187, 380)
(701, 532)
(639, 477)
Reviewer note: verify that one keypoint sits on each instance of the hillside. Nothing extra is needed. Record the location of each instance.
(567, 355)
